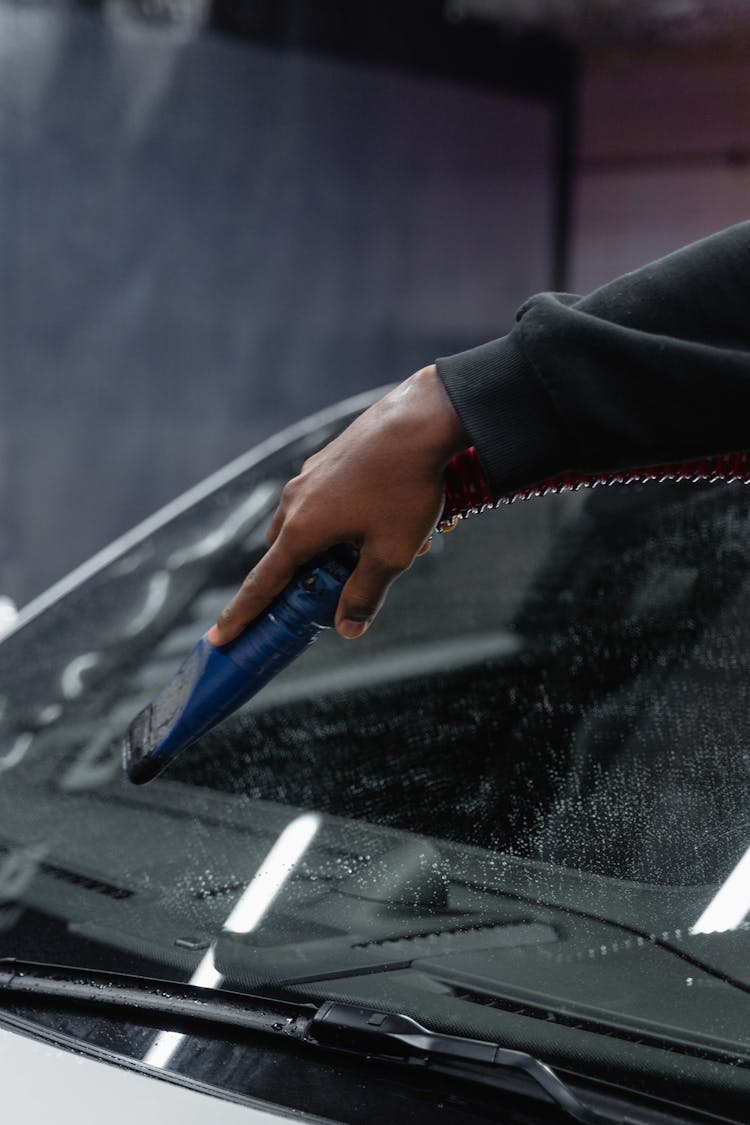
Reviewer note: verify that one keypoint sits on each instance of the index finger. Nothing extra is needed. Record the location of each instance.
(264, 582)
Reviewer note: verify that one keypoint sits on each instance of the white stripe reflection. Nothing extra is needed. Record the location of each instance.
(248, 912)
(730, 904)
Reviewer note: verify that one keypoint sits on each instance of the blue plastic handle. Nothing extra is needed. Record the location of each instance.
(213, 681)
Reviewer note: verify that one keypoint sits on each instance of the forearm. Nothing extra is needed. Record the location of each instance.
(653, 367)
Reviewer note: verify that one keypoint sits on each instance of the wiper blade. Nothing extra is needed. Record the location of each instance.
(380, 1035)
(145, 994)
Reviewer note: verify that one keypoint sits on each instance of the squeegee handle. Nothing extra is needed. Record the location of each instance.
(214, 680)
(294, 619)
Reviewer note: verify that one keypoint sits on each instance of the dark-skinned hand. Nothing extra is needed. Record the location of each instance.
(378, 485)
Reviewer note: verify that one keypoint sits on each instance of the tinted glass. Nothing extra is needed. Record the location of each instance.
(515, 799)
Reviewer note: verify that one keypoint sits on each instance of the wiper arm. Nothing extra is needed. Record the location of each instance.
(380, 1035)
(386, 1035)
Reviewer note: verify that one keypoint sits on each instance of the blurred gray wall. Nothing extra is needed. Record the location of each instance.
(203, 241)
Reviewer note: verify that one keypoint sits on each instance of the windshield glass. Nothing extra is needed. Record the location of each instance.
(523, 788)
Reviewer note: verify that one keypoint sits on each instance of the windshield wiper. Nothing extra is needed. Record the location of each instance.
(360, 1031)
(388, 1035)
(31, 979)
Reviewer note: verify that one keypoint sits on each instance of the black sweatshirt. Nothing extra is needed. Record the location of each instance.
(652, 368)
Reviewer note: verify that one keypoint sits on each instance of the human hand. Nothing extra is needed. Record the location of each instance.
(378, 485)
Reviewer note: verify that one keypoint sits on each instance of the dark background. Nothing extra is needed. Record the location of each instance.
(216, 224)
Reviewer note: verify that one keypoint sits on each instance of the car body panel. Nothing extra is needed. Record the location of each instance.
(43, 1082)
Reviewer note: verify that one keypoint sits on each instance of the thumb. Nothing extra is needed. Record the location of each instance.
(364, 593)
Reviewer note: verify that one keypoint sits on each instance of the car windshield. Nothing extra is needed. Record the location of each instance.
(518, 808)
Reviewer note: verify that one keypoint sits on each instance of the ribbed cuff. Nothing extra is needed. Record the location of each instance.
(506, 412)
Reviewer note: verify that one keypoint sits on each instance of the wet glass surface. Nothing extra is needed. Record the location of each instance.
(508, 811)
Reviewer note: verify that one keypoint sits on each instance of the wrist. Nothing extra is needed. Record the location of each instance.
(441, 425)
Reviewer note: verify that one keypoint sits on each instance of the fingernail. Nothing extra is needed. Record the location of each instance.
(352, 629)
(213, 635)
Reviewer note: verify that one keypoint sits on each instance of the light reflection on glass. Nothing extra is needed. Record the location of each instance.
(8, 614)
(256, 504)
(71, 680)
(730, 904)
(18, 869)
(17, 752)
(247, 913)
(50, 713)
(156, 595)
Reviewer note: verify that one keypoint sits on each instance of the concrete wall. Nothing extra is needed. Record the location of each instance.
(663, 155)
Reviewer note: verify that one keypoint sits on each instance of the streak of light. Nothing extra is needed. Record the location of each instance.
(273, 874)
(166, 1043)
(247, 913)
(730, 904)
(8, 614)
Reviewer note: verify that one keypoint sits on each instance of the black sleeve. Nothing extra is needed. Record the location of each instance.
(652, 368)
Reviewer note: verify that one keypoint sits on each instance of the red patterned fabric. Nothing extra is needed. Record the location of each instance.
(466, 490)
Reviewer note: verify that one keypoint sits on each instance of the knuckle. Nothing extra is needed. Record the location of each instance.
(289, 490)
(295, 533)
(390, 565)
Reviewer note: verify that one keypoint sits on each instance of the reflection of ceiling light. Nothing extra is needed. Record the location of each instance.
(272, 874)
(250, 909)
(8, 614)
(730, 904)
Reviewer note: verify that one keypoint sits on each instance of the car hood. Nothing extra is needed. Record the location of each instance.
(43, 1082)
